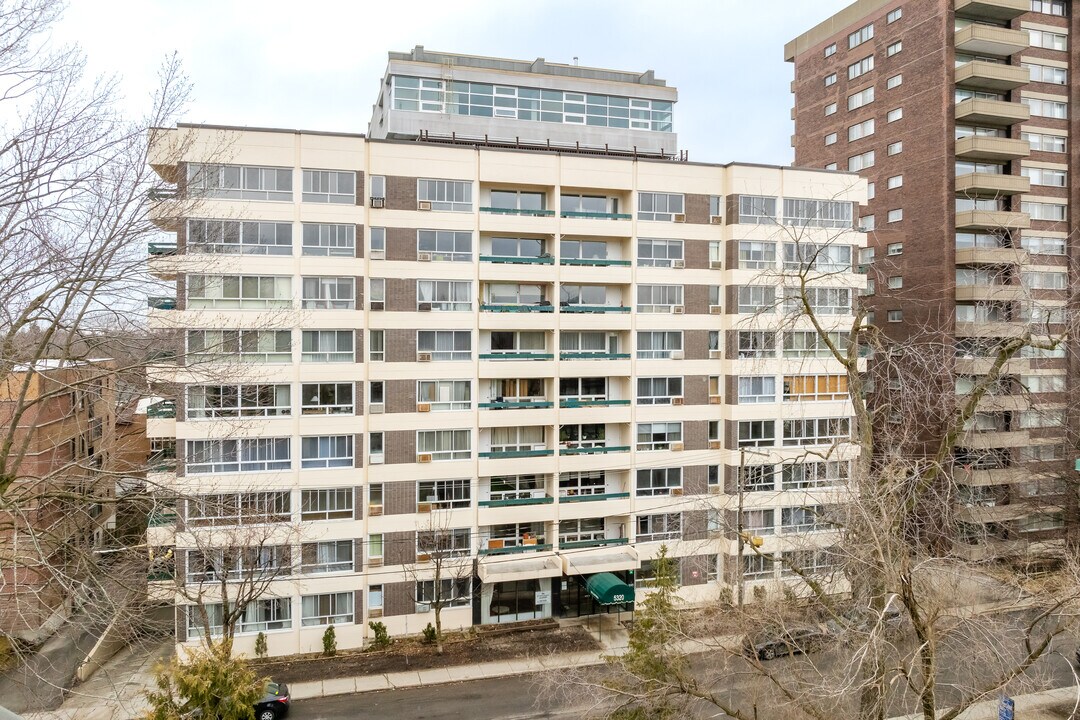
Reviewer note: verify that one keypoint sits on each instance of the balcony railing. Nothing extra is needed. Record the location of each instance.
(594, 309)
(506, 550)
(518, 211)
(593, 498)
(518, 259)
(161, 303)
(162, 409)
(593, 449)
(592, 543)
(510, 502)
(516, 404)
(520, 355)
(538, 308)
(519, 453)
(597, 262)
(588, 355)
(162, 518)
(575, 402)
(594, 215)
(161, 248)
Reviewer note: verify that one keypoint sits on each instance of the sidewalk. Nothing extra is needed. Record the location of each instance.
(1054, 704)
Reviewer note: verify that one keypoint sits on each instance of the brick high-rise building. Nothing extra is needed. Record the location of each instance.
(959, 114)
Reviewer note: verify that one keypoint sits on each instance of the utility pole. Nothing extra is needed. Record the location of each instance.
(740, 578)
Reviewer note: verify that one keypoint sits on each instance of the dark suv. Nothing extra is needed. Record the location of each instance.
(274, 704)
(772, 643)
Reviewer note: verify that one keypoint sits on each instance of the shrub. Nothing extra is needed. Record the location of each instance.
(382, 638)
(260, 645)
(760, 594)
(429, 634)
(329, 642)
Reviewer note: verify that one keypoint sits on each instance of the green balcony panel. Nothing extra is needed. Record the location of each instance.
(517, 356)
(518, 308)
(518, 260)
(572, 403)
(598, 262)
(515, 549)
(595, 215)
(509, 502)
(501, 454)
(593, 543)
(593, 498)
(517, 211)
(511, 405)
(162, 409)
(161, 303)
(593, 356)
(597, 450)
(161, 248)
(594, 309)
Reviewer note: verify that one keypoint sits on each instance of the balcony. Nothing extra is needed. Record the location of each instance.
(995, 77)
(999, 10)
(991, 329)
(991, 256)
(541, 307)
(587, 355)
(517, 404)
(163, 409)
(595, 215)
(161, 303)
(581, 402)
(520, 355)
(161, 518)
(511, 453)
(599, 542)
(503, 546)
(597, 497)
(992, 220)
(981, 147)
(518, 259)
(978, 39)
(518, 211)
(991, 185)
(594, 309)
(989, 293)
(159, 249)
(594, 262)
(979, 111)
(993, 476)
(989, 548)
(592, 449)
(539, 499)
(996, 439)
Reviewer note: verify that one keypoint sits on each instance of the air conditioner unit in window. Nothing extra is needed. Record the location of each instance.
(374, 510)
(715, 310)
(714, 489)
(423, 407)
(715, 399)
(377, 202)
(423, 357)
(676, 447)
(423, 307)
(679, 217)
(423, 458)
(423, 557)
(676, 355)
(423, 607)
(424, 507)
(716, 354)
(375, 459)
(378, 305)
(676, 401)
(676, 491)
(378, 254)
(376, 409)
(423, 257)
(375, 612)
(375, 562)
(678, 263)
(713, 264)
(714, 444)
(423, 205)
(678, 309)
(716, 219)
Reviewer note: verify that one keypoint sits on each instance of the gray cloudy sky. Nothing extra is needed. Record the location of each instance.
(316, 64)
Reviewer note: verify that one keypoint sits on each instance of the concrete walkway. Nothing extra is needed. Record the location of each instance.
(1054, 704)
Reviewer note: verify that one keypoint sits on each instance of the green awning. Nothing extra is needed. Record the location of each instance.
(608, 589)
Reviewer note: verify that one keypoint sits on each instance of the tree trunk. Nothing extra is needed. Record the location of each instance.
(438, 629)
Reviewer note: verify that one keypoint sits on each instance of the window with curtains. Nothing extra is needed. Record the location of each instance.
(326, 451)
(658, 435)
(326, 557)
(444, 444)
(445, 344)
(330, 186)
(326, 504)
(445, 195)
(815, 387)
(445, 395)
(329, 240)
(240, 182)
(658, 298)
(262, 346)
(233, 401)
(242, 455)
(239, 292)
(236, 237)
(326, 609)
(585, 341)
(449, 295)
(329, 293)
(514, 439)
(445, 245)
(324, 346)
(658, 344)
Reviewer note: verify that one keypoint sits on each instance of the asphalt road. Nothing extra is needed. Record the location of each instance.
(517, 698)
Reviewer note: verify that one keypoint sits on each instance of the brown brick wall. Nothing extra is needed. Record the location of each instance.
(360, 194)
(401, 243)
(696, 299)
(399, 498)
(697, 209)
(696, 344)
(400, 396)
(400, 192)
(359, 249)
(398, 598)
(694, 525)
(696, 435)
(696, 390)
(399, 548)
(358, 350)
(696, 254)
(696, 480)
(400, 345)
(400, 295)
(399, 446)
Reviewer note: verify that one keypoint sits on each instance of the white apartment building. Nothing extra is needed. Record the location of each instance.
(552, 362)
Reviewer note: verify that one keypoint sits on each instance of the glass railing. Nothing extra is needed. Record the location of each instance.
(518, 211)
(518, 259)
(162, 409)
(593, 262)
(161, 303)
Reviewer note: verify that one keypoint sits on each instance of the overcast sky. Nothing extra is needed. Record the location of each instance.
(316, 64)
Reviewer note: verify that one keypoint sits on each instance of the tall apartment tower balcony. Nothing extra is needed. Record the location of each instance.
(467, 98)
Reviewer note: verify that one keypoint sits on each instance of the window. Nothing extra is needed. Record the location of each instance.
(659, 206)
(757, 433)
(444, 295)
(1043, 383)
(453, 592)
(863, 97)
(757, 209)
(260, 346)
(239, 508)
(809, 344)
(507, 247)
(830, 109)
(243, 455)
(238, 563)
(377, 242)
(378, 186)
(659, 390)
(860, 67)
(894, 81)
(329, 293)
(860, 36)
(1044, 176)
(584, 343)
(376, 345)
(327, 346)
(894, 249)
(444, 245)
(442, 494)
(329, 504)
(830, 79)
(871, 190)
(446, 195)
(895, 148)
(757, 298)
(240, 182)
(1034, 280)
(894, 48)
(518, 200)
(235, 237)
(445, 344)
(757, 478)
(758, 567)
(803, 519)
(332, 240)
(830, 166)
(375, 595)
(444, 444)
(816, 431)
(326, 398)
(861, 130)
(658, 344)
(326, 557)
(445, 395)
(1047, 108)
(896, 282)
(1043, 245)
(815, 388)
(1048, 40)
(239, 292)
(861, 162)
(664, 526)
(326, 451)
(866, 256)
(326, 609)
(894, 182)
(581, 483)
(757, 389)
(830, 50)
(659, 253)
(583, 295)
(1049, 7)
(822, 301)
(894, 115)
(895, 316)
(1053, 212)
(375, 446)
(1047, 73)
(659, 298)
(376, 291)
(756, 255)
(330, 186)
(867, 223)
(895, 215)
(894, 15)
(756, 344)
(518, 487)
(658, 481)
(809, 475)
(658, 436)
(512, 343)
(233, 401)
(263, 615)
(830, 139)
(817, 213)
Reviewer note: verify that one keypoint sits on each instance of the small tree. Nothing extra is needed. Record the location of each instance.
(260, 645)
(382, 638)
(211, 683)
(443, 559)
(329, 642)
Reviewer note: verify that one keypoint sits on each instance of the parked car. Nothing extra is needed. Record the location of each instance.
(769, 644)
(274, 704)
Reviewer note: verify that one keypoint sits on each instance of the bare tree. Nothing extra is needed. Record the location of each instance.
(443, 568)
